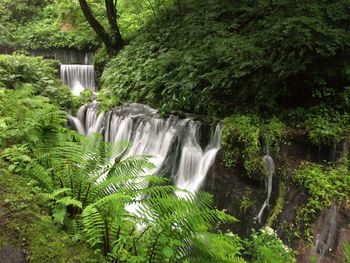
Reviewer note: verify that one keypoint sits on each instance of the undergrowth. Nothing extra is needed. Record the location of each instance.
(324, 186)
(246, 138)
(29, 225)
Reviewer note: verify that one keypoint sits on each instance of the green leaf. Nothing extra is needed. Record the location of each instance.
(167, 252)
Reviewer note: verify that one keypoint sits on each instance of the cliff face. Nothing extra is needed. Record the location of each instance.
(243, 197)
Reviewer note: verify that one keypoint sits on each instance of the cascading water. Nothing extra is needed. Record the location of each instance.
(78, 77)
(172, 143)
(269, 170)
(194, 162)
(325, 239)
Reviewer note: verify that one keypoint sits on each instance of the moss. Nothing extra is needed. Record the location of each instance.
(324, 185)
(279, 205)
(241, 132)
(58, 245)
(246, 202)
(242, 137)
(25, 224)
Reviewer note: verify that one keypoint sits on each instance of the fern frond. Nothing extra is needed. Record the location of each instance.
(57, 192)
(69, 201)
(93, 225)
(42, 176)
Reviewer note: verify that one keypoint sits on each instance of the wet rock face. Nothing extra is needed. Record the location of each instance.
(237, 194)
(331, 232)
(242, 197)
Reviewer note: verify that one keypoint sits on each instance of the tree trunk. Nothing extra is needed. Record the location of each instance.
(114, 44)
(111, 8)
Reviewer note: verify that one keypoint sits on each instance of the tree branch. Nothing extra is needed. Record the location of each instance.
(96, 26)
(111, 8)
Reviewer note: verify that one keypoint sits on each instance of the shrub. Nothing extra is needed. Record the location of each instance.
(323, 186)
(266, 247)
(20, 70)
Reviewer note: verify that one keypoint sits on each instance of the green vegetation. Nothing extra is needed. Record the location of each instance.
(72, 192)
(266, 247)
(52, 24)
(29, 225)
(45, 24)
(278, 206)
(218, 56)
(324, 186)
(242, 133)
(327, 128)
(272, 70)
(42, 75)
(246, 202)
(241, 139)
(347, 252)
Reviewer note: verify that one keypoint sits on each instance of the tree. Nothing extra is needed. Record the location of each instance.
(113, 40)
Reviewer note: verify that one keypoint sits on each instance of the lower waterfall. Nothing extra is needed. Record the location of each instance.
(173, 144)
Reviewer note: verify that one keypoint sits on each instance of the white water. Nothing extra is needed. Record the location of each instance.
(172, 143)
(78, 77)
(194, 162)
(269, 170)
(325, 238)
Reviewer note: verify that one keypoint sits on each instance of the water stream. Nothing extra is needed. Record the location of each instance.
(326, 236)
(173, 144)
(78, 77)
(269, 170)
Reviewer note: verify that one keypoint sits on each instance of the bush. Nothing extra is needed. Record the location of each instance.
(323, 186)
(218, 56)
(242, 136)
(19, 70)
(266, 247)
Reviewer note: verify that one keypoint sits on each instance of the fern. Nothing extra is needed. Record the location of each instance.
(56, 193)
(126, 213)
(59, 215)
(159, 217)
(69, 201)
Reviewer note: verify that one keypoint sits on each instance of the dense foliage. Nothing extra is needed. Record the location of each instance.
(218, 56)
(275, 70)
(324, 187)
(60, 23)
(26, 224)
(246, 138)
(42, 75)
(112, 204)
(44, 24)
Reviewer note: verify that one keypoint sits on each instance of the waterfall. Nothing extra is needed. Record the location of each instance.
(78, 77)
(325, 239)
(269, 170)
(172, 143)
(194, 162)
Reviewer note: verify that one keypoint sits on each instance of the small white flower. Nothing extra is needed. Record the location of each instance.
(230, 234)
(269, 231)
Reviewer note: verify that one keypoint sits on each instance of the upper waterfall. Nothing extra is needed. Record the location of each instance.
(78, 77)
(173, 144)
